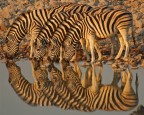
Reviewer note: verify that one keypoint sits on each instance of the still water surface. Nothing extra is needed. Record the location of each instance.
(10, 103)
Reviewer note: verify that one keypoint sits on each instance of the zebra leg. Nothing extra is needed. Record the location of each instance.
(95, 85)
(124, 34)
(128, 88)
(99, 75)
(116, 78)
(74, 56)
(123, 79)
(87, 78)
(77, 69)
(62, 70)
(112, 48)
(121, 47)
(91, 39)
(84, 49)
(98, 51)
(61, 54)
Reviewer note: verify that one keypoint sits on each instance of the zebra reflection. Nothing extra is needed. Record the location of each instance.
(99, 96)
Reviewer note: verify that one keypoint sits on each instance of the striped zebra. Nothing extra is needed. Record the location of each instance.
(30, 23)
(30, 93)
(60, 87)
(82, 95)
(107, 97)
(60, 34)
(46, 33)
(103, 25)
(40, 93)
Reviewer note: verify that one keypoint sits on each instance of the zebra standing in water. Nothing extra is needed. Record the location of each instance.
(31, 23)
(98, 96)
(30, 93)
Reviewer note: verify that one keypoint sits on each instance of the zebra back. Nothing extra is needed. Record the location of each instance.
(106, 23)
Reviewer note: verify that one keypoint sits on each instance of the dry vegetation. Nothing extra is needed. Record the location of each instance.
(11, 9)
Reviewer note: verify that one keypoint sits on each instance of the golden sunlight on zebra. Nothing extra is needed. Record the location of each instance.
(99, 96)
(74, 92)
(30, 93)
(57, 40)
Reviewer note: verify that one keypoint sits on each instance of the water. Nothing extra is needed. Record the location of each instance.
(10, 103)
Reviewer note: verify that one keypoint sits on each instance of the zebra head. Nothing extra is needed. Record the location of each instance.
(71, 77)
(11, 48)
(69, 51)
(41, 76)
(54, 52)
(14, 72)
(40, 49)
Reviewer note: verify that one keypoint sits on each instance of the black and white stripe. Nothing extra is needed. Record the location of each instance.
(61, 87)
(106, 97)
(103, 25)
(48, 30)
(29, 93)
(31, 23)
(60, 34)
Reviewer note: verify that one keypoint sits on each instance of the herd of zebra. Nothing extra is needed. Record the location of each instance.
(73, 92)
(57, 33)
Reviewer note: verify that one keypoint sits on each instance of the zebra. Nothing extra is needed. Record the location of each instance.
(83, 96)
(43, 38)
(29, 93)
(47, 31)
(40, 93)
(45, 15)
(47, 87)
(60, 87)
(30, 23)
(103, 25)
(59, 35)
(107, 97)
